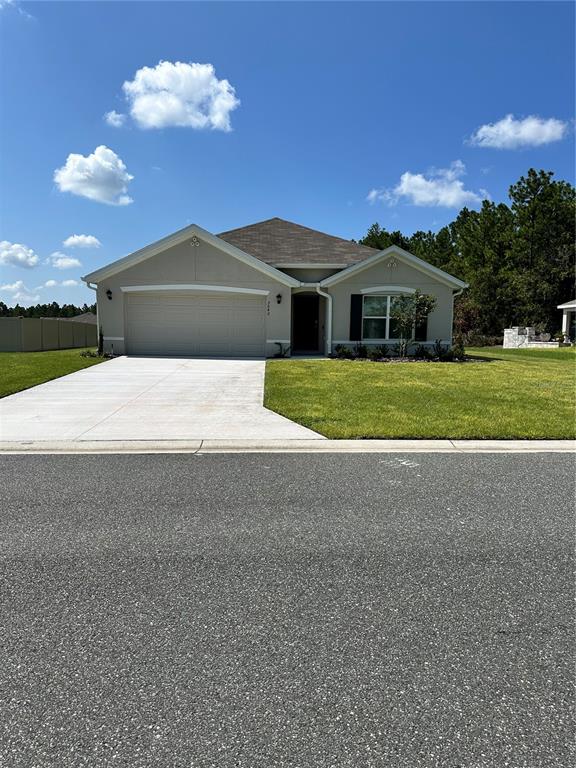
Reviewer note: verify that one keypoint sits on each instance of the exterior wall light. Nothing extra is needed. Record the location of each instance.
(278, 298)
(109, 294)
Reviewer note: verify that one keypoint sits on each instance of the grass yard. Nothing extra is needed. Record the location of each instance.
(21, 370)
(507, 394)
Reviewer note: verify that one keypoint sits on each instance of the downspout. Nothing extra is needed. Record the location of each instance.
(328, 342)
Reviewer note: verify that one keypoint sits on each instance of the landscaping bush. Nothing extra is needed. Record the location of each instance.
(422, 352)
(360, 351)
(283, 349)
(475, 339)
(458, 351)
(377, 353)
(343, 352)
(95, 353)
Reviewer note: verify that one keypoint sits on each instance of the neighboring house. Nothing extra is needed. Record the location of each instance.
(569, 319)
(246, 291)
(85, 317)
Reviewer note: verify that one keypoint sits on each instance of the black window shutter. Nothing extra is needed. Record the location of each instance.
(356, 317)
(421, 333)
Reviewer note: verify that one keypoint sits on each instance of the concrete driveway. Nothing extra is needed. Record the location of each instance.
(143, 398)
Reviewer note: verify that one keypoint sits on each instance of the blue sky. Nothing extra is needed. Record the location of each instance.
(348, 113)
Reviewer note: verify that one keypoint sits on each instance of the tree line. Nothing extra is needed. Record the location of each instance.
(46, 310)
(517, 258)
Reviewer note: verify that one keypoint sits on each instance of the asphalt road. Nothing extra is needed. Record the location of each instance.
(262, 611)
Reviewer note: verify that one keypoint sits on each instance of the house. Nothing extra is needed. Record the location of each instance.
(569, 319)
(253, 290)
(85, 317)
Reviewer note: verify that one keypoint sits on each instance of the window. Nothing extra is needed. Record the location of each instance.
(376, 321)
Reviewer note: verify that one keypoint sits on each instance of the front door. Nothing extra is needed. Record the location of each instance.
(305, 322)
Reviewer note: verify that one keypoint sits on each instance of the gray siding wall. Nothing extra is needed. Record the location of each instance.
(310, 275)
(381, 274)
(187, 264)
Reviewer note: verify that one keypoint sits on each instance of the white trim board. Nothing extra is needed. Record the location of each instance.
(407, 258)
(181, 236)
(193, 287)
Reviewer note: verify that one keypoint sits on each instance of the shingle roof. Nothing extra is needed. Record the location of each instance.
(86, 317)
(277, 241)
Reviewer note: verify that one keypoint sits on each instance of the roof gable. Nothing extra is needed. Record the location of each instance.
(280, 242)
(179, 237)
(402, 255)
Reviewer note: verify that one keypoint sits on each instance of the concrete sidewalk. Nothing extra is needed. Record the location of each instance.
(289, 446)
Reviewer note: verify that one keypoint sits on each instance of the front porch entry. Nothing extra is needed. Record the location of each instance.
(307, 324)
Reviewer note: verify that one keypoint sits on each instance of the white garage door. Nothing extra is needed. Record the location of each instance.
(220, 325)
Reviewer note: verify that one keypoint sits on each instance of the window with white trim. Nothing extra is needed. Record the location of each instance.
(377, 325)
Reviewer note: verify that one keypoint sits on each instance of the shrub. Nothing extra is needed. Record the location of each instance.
(475, 339)
(283, 349)
(438, 349)
(361, 351)
(458, 351)
(422, 352)
(343, 352)
(377, 353)
(94, 353)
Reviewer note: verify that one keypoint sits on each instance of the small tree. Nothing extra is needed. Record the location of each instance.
(408, 312)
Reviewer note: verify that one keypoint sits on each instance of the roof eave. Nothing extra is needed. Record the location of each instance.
(310, 265)
(412, 260)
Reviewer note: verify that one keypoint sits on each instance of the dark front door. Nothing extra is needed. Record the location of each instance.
(305, 326)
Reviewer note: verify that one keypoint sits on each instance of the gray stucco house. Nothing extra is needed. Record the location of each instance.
(242, 292)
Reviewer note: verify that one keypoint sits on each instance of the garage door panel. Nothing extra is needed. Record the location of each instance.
(219, 325)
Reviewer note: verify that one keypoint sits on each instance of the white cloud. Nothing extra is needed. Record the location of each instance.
(62, 261)
(180, 94)
(56, 284)
(18, 292)
(81, 241)
(17, 255)
(101, 176)
(510, 133)
(378, 196)
(439, 187)
(16, 5)
(115, 119)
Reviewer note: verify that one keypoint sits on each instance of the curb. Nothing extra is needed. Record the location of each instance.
(287, 446)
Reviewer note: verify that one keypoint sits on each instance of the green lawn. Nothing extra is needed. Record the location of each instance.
(21, 370)
(514, 394)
